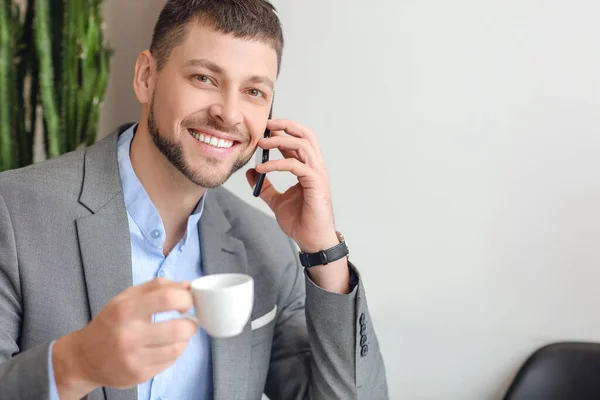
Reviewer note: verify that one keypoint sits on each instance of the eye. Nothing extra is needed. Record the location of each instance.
(203, 79)
(255, 93)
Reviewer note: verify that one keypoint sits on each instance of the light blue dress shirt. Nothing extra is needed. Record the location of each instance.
(190, 377)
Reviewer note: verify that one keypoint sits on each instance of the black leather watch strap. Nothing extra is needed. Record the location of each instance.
(324, 257)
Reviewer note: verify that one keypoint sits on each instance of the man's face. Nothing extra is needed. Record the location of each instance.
(211, 102)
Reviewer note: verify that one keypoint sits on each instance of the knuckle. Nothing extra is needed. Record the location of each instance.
(129, 363)
(173, 330)
(179, 349)
(131, 367)
(145, 373)
(137, 373)
(177, 299)
(139, 376)
(170, 298)
(170, 353)
(174, 351)
(183, 329)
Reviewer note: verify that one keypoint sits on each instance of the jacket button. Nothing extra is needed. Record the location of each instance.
(364, 350)
(362, 318)
(363, 340)
(363, 329)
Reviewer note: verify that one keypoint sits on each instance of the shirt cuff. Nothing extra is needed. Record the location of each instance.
(52, 389)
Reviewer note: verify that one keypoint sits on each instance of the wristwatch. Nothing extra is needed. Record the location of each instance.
(324, 257)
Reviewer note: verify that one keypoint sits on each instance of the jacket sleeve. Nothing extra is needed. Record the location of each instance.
(324, 346)
(23, 375)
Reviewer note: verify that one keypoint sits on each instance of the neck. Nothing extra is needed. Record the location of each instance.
(173, 195)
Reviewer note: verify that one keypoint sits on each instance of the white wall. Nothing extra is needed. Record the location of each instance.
(462, 140)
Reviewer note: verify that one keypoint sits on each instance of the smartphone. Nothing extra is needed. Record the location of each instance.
(262, 156)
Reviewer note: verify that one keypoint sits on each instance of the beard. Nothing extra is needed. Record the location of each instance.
(207, 176)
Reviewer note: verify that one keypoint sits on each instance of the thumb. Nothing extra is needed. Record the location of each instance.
(268, 194)
(252, 177)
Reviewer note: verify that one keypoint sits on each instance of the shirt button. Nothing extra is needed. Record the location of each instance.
(161, 273)
(155, 234)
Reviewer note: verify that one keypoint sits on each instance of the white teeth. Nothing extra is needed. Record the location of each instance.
(212, 141)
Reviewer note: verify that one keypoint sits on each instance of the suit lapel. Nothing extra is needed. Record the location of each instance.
(104, 235)
(222, 252)
(106, 254)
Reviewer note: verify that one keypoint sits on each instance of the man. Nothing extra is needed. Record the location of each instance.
(97, 248)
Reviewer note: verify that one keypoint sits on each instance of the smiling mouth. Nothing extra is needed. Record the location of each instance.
(211, 140)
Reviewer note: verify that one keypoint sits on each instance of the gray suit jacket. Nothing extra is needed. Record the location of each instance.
(65, 252)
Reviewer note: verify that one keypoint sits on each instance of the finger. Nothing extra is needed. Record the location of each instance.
(168, 298)
(304, 151)
(288, 164)
(294, 129)
(169, 332)
(156, 284)
(285, 153)
(252, 177)
(268, 194)
(289, 154)
(278, 133)
(164, 355)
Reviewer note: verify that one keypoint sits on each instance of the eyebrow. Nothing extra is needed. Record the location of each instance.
(203, 63)
(217, 69)
(257, 79)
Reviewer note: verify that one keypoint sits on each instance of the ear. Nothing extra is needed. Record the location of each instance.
(144, 77)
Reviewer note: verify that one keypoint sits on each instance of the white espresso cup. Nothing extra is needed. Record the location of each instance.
(223, 303)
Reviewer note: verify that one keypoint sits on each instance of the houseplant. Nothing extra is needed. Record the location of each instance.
(53, 60)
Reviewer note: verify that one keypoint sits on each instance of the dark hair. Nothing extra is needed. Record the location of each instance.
(248, 19)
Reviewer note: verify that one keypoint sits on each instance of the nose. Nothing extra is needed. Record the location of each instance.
(227, 111)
